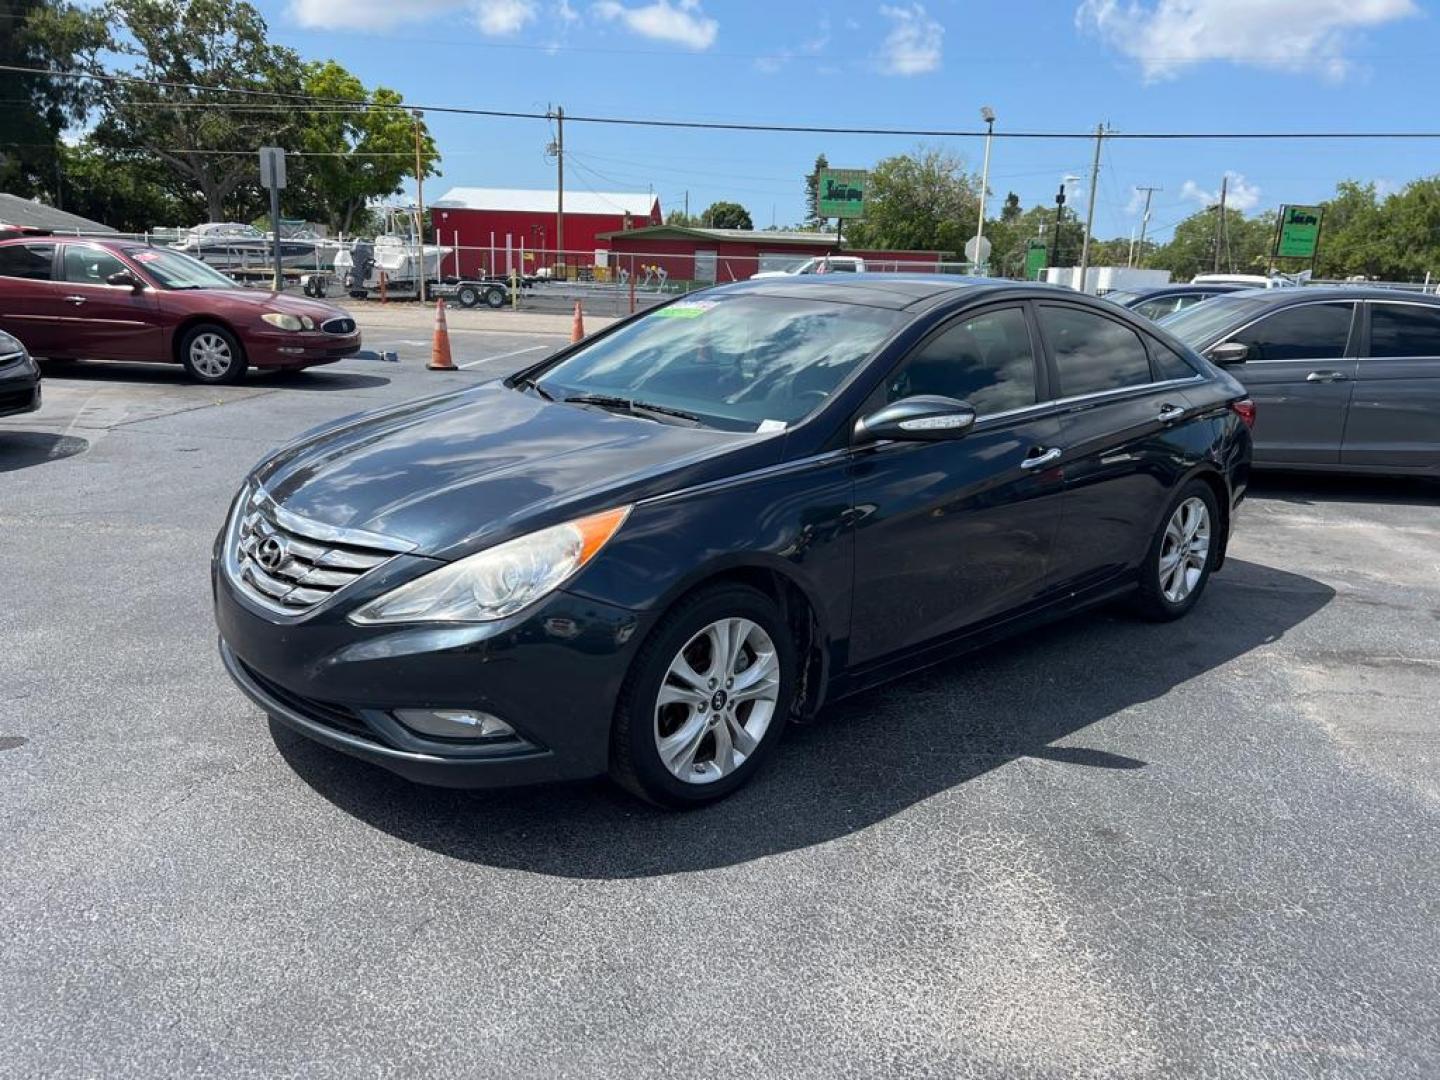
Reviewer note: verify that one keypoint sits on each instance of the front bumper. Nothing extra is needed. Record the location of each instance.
(553, 673)
(19, 387)
(300, 348)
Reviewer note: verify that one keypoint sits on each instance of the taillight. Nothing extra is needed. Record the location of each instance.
(1245, 410)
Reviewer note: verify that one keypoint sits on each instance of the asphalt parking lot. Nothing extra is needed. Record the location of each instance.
(1107, 849)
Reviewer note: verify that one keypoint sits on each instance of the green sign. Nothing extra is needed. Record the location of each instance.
(842, 192)
(1299, 234)
(1036, 258)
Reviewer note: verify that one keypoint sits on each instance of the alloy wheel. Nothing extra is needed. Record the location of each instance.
(210, 355)
(1185, 550)
(717, 700)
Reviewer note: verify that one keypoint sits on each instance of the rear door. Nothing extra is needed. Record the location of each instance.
(27, 294)
(1300, 373)
(1122, 430)
(1394, 418)
(101, 321)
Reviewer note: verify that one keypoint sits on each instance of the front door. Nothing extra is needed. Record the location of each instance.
(27, 292)
(1394, 419)
(100, 321)
(952, 534)
(1300, 372)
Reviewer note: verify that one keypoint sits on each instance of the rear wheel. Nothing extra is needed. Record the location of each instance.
(1178, 564)
(706, 699)
(495, 297)
(211, 354)
(467, 296)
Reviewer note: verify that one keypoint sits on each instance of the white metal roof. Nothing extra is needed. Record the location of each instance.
(610, 203)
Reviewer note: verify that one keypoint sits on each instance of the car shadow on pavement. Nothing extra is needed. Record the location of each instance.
(321, 378)
(22, 449)
(1308, 489)
(866, 759)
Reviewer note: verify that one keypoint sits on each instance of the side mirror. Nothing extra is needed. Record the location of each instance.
(126, 278)
(1229, 354)
(923, 418)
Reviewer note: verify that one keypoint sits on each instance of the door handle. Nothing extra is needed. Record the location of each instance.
(1169, 413)
(1326, 376)
(1036, 460)
(75, 299)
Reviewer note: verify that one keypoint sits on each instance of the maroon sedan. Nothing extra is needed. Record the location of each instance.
(71, 298)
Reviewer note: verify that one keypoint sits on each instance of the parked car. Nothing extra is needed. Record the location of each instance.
(19, 377)
(1159, 302)
(647, 554)
(1345, 378)
(71, 298)
(821, 264)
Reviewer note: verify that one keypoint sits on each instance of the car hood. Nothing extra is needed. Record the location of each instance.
(464, 471)
(271, 301)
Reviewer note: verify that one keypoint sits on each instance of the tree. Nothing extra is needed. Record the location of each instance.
(681, 219)
(1355, 235)
(813, 220)
(205, 137)
(726, 215)
(1011, 210)
(354, 157)
(41, 34)
(1412, 217)
(130, 195)
(923, 201)
(1191, 249)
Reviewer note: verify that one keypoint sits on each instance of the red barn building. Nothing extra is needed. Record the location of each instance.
(493, 226)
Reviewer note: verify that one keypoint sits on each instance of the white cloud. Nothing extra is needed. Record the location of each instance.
(812, 46)
(503, 17)
(494, 17)
(1240, 194)
(680, 22)
(566, 13)
(913, 45)
(1167, 36)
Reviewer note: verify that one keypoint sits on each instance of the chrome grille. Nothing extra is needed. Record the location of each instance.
(338, 326)
(290, 564)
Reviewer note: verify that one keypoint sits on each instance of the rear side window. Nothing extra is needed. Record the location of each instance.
(1169, 364)
(88, 265)
(1093, 353)
(27, 261)
(1306, 332)
(1404, 330)
(986, 360)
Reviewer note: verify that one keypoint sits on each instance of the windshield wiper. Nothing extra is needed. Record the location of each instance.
(534, 384)
(635, 408)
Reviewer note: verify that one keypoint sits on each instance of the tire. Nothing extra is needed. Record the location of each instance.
(467, 296)
(750, 725)
(495, 298)
(211, 354)
(1169, 589)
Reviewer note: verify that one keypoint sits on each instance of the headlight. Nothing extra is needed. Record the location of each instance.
(286, 321)
(500, 581)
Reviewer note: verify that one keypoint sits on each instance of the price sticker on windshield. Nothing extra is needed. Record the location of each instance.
(686, 310)
(145, 256)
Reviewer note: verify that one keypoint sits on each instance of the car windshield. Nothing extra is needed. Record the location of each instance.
(1198, 324)
(737, 362)
(176, 270)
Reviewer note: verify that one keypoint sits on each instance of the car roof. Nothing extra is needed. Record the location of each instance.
(1182, 288)
(897, 291)
(1310, 293)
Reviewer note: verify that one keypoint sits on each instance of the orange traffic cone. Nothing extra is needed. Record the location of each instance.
(440, 348)
(577, 329)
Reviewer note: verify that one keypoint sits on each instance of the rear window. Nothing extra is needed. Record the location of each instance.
(1093, 353)
(31, 261)
(1404, 330)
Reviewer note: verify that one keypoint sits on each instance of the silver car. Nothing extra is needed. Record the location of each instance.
(1343, 379)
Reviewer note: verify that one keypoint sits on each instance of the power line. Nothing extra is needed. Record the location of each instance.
(710, 125)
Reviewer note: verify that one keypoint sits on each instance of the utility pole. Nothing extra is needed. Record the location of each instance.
(687, 207)
(988, 115)
(1220, 221)
(417, 115)
(1090, 207)
(560, 185)
(1145, 217)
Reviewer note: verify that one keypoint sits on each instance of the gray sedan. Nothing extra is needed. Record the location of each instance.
(1344, 379)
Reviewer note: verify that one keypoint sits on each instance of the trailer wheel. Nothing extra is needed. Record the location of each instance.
(467, 296)
(495, 297)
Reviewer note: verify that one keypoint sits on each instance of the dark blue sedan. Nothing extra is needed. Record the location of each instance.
(1167, 299)
(650, 552)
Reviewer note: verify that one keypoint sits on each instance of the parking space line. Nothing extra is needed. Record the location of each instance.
(503, 355)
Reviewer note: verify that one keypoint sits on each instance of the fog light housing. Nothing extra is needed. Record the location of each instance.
(455, 723)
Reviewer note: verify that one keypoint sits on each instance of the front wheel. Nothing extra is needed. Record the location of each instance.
(1178, 564)
(211, 354)
(706, 699)
(467, 296)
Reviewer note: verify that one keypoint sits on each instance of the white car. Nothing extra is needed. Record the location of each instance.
(821, 264)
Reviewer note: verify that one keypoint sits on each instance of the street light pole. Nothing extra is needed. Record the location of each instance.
(988, 115)
(1055, 238)
(417, 115)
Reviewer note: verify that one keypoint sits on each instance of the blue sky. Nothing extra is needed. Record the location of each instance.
(1053, 65)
